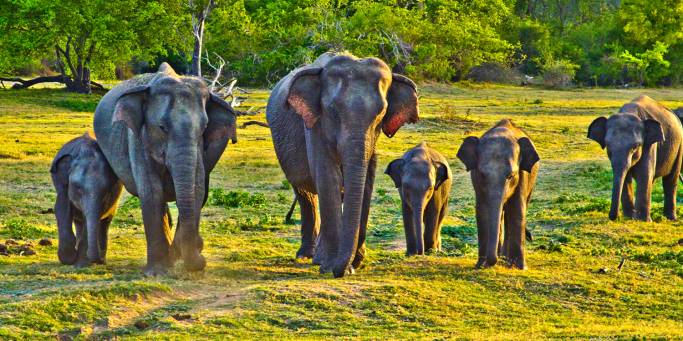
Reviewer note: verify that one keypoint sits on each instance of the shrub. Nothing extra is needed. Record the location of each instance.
(558, 73)
(494, 73)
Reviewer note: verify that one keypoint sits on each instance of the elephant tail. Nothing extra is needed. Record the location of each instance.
(680, 178)
(288, 217)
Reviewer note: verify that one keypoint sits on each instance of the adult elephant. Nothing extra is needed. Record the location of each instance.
(163, 134)
(325, 119)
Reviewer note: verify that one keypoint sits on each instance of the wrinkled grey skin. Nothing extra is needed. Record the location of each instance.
(644, 142)
(325, 118)
(163, 134)
(88, 192)
(679, 113)
(423, 179)
(503, 165)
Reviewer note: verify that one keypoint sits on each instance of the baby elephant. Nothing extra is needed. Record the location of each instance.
(423, 179)
(644, 141)
(503, 165)
(87, 195)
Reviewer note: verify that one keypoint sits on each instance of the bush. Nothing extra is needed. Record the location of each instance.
(558, 73)
(494, 73)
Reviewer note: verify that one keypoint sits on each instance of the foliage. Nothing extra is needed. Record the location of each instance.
(85, 35)
(19, 228)
(236, 199)
(596, 42)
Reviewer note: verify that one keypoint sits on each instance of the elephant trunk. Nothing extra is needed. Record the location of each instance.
(490, 222)
(188, 179)
(418, 219)
(619, 170)
(355, 168)
(92, 229)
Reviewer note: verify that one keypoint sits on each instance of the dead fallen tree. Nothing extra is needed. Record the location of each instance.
(20, 83)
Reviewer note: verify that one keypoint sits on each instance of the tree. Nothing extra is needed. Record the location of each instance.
(199, 11)
(83, 35)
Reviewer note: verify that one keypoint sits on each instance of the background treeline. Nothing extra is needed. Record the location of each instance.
(556, 42)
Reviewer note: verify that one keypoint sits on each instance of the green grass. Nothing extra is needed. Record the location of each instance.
(254, 288)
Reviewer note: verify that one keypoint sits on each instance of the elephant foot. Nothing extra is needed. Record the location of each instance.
(82, 263)
(155, 270)
(671, 217)
(486, 263)
(194, 262)
(517, 262)
(357, 262)
(67, 256)
(341, 271)
(305, 252)
(646, 219)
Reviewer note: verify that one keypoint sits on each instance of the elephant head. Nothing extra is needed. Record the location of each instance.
(625, 136)
(417, 179)
(495, 162)
(184, 129)
(346, 101)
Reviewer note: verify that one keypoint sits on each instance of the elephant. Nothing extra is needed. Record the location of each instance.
(423, 179)
(88, 192)
(503, 166)
(163, 134)
(644, 141)
(679, 113)
(325, 119)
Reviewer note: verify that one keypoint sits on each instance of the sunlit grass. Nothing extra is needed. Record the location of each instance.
(253, 287)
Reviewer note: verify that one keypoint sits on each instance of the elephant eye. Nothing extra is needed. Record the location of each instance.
(163, 128)
(510, 176)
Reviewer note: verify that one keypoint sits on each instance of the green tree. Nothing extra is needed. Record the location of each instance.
(85, 35)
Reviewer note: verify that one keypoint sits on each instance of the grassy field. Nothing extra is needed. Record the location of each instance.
(254, 288)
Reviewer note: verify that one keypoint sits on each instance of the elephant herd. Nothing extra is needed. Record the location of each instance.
(159, 135)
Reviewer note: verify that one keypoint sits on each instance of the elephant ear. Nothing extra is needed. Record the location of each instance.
(402, 105)
(468, 152)
(395, 171)
(597, 131)
(221, 128)
(130, 108)
(527, 154)
(653, 132)
(442, 173)
(304, 95)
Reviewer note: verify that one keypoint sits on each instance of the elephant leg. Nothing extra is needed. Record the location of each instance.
(310, 223)
(437, 231)
(81, 240)
(67, 240)
(365, 213)
(104, 237)
(627, 197)
(329, 187)
(409, 229)
(482, 235)
(157, 235)
(515, 225)
(670, 184)
(643, 196)
(430, 220)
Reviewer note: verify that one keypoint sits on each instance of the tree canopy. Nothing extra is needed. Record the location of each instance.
(593, 42)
